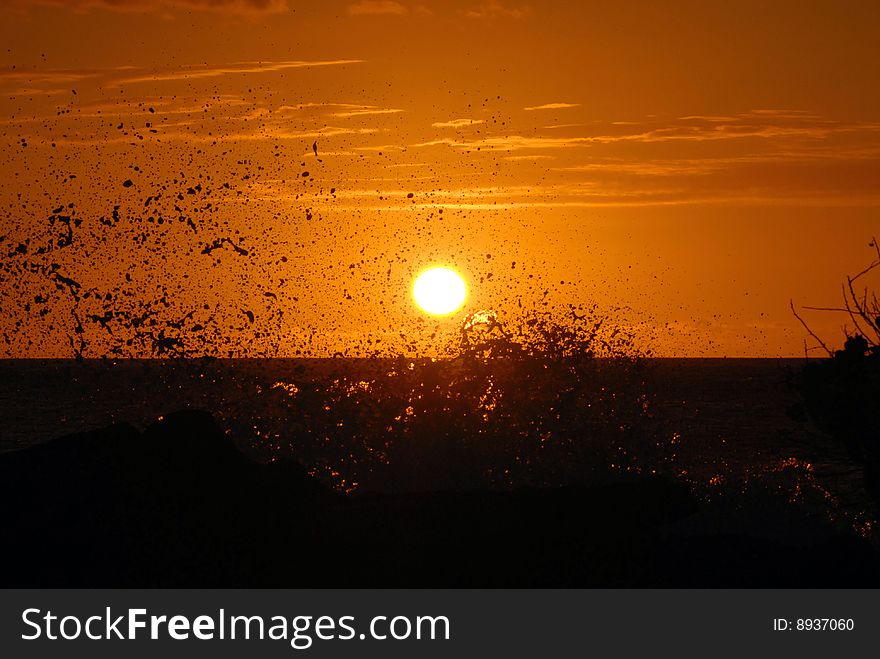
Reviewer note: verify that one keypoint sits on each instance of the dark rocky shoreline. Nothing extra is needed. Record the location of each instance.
(180, 506)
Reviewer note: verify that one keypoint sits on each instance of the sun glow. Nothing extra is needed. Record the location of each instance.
(439, 291)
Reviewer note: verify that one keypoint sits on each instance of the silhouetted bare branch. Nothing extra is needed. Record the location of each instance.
(809, 331)
(862, 308)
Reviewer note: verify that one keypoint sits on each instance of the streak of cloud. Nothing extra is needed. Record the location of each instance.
(367, 111)
(377, 8)
(552, 106)
(233, 6)
(34, 91)
(245, 67)
(763, 126)
(496, 9)
(457, 123)
(48, 77)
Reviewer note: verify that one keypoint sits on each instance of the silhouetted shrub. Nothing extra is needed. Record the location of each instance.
(841, 394)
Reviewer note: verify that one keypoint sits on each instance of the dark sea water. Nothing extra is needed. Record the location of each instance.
(722, 425)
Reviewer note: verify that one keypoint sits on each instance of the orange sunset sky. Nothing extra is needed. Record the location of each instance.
(688, 168)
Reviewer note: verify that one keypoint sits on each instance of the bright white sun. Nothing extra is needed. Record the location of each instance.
(439, 291)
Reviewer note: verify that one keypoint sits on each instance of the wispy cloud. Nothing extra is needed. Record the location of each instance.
(240, 68)
(381, 148)
(56, 76)
(457, 123)
(366, 111)
(267, 133)
(235, 6)
(753, 125)
(497, 9)
(18, 83)
(377, 8)
(47, 82)
(314, 105)
(508, 143)
(760, 157)
(552, 106)
(33, 91)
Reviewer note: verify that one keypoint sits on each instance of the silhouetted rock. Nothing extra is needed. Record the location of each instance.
(179, 505)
